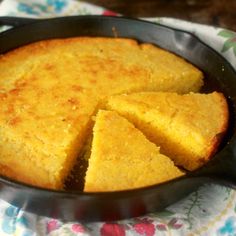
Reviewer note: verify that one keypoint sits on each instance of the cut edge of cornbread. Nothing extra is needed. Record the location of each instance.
(15, 169)
(161, 126)
(122, 158)
(77, 148)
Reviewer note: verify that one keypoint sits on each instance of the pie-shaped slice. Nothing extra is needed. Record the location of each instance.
(188, 128)
(122, 158)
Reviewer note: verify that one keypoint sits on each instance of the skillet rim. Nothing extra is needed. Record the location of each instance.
(122, 193)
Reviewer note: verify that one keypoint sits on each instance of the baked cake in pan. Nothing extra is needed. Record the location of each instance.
(49, 91)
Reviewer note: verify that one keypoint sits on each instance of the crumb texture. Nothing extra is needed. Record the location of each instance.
(188, 127)
(122, 158)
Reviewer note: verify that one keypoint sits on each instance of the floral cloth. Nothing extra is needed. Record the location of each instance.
(211, 210)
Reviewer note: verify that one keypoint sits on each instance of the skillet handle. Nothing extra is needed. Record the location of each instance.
(15, 21)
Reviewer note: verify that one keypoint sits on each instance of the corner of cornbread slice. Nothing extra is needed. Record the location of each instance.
(122, 158)
(188, 128)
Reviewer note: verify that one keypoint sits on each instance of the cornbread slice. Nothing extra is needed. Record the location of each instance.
(188, 128)
(43, 125)
(122, 158)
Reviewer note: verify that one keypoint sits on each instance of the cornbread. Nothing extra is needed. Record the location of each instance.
(50, 89)
(122, 158)
(188, 128)
(110, 66)
(41, 140)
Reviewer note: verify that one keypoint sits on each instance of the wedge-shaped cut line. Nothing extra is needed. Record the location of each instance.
(188, 128)
(122, 158)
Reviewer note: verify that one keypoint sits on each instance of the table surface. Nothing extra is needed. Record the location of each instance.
(213, 12)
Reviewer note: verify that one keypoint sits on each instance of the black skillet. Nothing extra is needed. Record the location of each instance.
(76, 205)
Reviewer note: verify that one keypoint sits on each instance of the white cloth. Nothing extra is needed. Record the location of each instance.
(208, 211)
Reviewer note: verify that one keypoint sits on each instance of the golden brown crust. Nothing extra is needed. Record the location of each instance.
(32, 177)
(218, 138)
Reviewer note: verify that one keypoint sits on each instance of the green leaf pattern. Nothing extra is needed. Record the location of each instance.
(229, 40)
(192, 214)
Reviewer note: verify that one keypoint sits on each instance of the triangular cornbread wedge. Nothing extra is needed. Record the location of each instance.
(187, 128)
(122, 158)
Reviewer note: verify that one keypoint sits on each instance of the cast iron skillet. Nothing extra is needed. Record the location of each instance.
(75, 205)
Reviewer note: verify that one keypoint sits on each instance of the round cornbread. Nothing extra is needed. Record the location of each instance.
(50, 90)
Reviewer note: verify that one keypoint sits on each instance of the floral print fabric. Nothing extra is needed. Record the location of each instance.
(211, 210)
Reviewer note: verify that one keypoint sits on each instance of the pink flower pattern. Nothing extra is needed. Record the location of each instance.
(139, 226)
(145, 228)
(78, 228)
(52, 225)
(112, 229)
